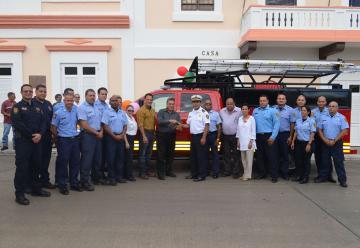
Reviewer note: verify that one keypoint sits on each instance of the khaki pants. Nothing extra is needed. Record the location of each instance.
(247, 161)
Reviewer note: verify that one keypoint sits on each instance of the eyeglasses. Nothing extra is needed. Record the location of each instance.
(129, 110)
(27, 91)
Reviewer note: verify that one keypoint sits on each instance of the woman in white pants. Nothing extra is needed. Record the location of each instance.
(246, 135)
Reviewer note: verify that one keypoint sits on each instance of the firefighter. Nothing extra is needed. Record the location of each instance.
(198, 121)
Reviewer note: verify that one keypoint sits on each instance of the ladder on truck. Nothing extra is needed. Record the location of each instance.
(234, 72)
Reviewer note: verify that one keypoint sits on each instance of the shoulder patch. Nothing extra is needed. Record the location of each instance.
(203, 110)
(207, 116)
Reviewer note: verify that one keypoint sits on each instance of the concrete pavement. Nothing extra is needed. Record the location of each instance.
(180, 213)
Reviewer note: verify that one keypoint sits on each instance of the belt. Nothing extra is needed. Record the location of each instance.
(148, 130)
(198, 134)
(73, 137)
(213, 132)
(263, 133)
(284, 132)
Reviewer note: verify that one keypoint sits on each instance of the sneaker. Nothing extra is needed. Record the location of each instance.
(4, 148)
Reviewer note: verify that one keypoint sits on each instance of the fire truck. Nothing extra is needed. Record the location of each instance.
(246, 80)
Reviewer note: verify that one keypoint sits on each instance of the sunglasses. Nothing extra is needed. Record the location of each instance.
(129, 110)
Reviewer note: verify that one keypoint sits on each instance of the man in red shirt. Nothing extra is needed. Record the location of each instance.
(5, 110)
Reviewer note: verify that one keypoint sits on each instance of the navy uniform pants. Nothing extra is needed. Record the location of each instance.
(90, 163)
(302, 159)
(232, 156)
(67, 161)
(198, 157)
(46, 157)
(266, 156)
(165, 144)
(115, 157)
(28, 162)
(283, 149)
(211, 141)
(335, 153)
(129, 156)
(318, 151)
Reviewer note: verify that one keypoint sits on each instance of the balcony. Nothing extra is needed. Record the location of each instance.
(330, 27)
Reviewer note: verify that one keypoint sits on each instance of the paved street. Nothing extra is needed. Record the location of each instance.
(180, 213)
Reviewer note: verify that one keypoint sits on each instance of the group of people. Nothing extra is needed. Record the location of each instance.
(95, 140)
(278, 133)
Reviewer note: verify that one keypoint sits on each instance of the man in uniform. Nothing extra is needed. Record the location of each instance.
(146, 121)
(267, 129)
(213, 137)
(114, 122)
(64, 128)
(230, 117)
(47, 109)
(59, 105)
(317, 113)
(198, 121)
(286, 131)
(91, 136)
(102, 106)
(168, 122)
(332, 128)
(29, 124)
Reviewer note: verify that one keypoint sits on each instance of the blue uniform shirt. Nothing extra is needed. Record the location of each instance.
(58, 106)
(66, 122)
(297, 113)
(317, 113)
(267, 121)
(304, 128)
(91, 114)
(332, 125)
(214, 120)
(115, 120)
(286, 117)
(102, 106)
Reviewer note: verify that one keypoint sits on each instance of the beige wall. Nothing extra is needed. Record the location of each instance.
(84, 6)
(159, 16)
(150, 73)
(37, 61)
(323, 2)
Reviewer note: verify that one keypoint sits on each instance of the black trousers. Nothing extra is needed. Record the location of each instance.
(198, 156)
(232, 159)
(165, 143)
(46, 157)
(129, 156)
(28, 162)
(266, 156)
(302, 159)
(283, 152)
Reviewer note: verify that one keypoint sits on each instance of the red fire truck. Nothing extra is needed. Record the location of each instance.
(246, 80)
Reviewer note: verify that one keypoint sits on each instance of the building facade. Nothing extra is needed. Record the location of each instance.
(131, 46)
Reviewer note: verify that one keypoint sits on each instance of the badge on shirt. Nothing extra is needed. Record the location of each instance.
(50, 108)
(24, 108)
(37, 109)
(15, 110)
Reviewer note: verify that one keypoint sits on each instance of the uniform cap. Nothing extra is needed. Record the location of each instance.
(196, 98)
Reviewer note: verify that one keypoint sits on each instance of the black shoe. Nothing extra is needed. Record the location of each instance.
(131, 179)
(215, 176)
(199, 179)
(48, 185)
(76, 188)
(144, 177)
(112, 182)
(28, 191)
(331, 179)
(320, 180)
(64, 191)
(121, 181)
(103, 181)
(343, 184)
(260, 177)
(190, 177)
(41, 193)
(225, 174)
(22, 200)
(170, 174)
(161, 177)
(236, 176)
(274, 180)
(286, 178)
(3, 149)
(87, 187)
(303, 181)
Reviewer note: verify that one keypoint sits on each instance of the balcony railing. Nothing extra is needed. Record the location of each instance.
(302, 18)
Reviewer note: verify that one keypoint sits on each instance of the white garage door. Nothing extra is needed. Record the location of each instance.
(79, 77)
